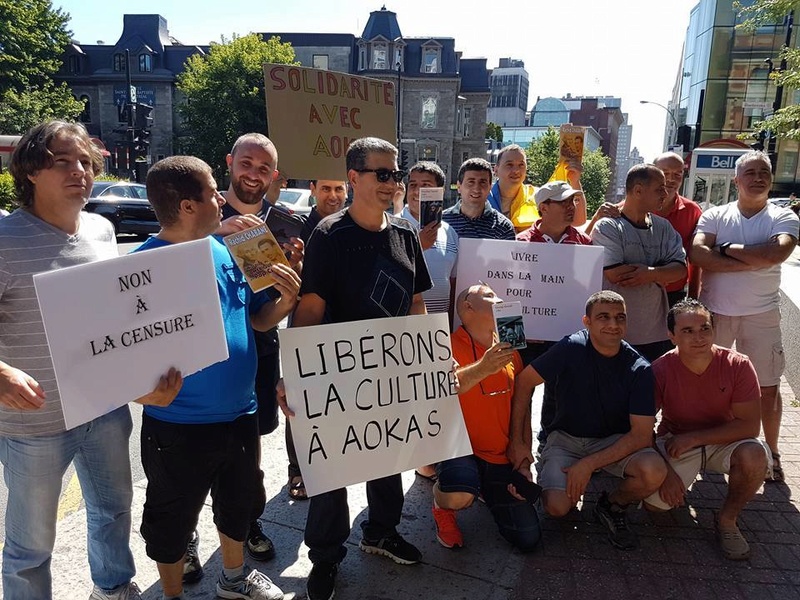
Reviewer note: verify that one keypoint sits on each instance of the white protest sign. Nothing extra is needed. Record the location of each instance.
(552, 281)
(371, 398)
(115, 326)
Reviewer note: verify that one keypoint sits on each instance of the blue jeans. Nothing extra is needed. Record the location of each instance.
(34, 467)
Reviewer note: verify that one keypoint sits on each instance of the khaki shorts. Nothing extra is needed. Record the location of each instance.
(564, 450)
(757, 336)
(713, 458)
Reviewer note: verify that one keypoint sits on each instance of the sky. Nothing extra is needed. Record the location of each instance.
(630, 49)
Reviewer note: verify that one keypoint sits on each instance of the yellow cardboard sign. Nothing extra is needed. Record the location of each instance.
(314, 114)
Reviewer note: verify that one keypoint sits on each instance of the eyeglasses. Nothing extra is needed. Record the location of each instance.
(383, 175)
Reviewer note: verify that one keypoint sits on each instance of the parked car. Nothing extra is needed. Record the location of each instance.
(296, 200)
(125, 205)
(782, 202)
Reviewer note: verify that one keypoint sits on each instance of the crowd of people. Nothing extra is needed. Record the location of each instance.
(680, 287)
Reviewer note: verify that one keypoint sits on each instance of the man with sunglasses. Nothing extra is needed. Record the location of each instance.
(361, 263)
(486, 379)
(605, 413)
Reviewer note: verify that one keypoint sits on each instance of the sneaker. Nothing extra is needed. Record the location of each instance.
(129, 591)
(447, 531)
(612, 517)
(322, 581)
(255, 586)
(192, 569)
(259, 546)
(393, 546)
(732, 543)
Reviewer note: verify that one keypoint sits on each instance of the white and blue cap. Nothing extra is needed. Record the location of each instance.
(557, 191)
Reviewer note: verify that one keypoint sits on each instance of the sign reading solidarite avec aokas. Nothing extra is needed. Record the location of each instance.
(314, 114)
(552, 281)
(114, 327)
(371, 398)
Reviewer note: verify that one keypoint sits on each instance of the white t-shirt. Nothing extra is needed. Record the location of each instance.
(441, 259)
(744, 292)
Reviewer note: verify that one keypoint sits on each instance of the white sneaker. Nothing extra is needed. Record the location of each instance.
(255, 586)
(129, 591)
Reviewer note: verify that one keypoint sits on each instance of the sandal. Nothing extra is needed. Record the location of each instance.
(296, 488)
(777, 469)
(432, 478)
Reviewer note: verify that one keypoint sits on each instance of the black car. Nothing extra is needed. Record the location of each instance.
(125, 205)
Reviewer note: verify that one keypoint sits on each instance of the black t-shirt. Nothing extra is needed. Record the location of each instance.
(595, 395)
(311, 221)
(364, 274)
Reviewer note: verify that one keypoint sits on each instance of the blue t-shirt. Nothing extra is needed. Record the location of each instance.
(595, 395)
(223, 391)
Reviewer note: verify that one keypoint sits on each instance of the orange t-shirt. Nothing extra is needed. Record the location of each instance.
(487, 414)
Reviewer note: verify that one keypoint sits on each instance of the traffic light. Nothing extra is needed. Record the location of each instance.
(144, 119)
(403, 159)
(684, 137)
(761, 142)
(141, 141)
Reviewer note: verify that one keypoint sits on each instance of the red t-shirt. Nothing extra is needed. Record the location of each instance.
(690, 402)
(683, 217)
(486, 414)
(571, 236)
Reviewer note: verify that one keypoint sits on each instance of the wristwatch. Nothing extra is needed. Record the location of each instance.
(723, 248)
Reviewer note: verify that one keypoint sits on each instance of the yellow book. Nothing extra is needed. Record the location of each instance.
(255, 250)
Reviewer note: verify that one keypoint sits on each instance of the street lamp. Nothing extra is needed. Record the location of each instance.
(669, 112)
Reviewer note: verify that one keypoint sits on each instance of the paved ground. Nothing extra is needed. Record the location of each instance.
(678, 556)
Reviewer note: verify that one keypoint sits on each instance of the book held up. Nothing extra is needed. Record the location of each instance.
(255, 250)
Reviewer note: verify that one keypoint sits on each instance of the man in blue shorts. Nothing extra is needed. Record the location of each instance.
(208, 437)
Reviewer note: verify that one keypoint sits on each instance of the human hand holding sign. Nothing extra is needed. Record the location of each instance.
(18, 390)
(280, 395)
(165, 391)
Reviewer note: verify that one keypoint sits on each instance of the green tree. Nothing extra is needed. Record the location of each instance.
(33, 37)
(542, 157)
(224, 95)
(494, 132)
(784, 123)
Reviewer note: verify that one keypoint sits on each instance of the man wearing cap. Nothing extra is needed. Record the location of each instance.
(643, 253)
(556, 202)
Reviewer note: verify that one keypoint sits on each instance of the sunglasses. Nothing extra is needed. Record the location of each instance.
(384, 175)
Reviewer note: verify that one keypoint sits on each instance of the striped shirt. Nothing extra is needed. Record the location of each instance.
(441, 260)
(29, 245)
(490, 225)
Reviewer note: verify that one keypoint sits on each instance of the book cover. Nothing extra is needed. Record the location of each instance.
(509, 325)
(570, 151)
(283, 226)
(255, 250)
(431, 204)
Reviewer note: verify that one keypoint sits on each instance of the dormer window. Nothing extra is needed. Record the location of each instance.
(145, 63)
(74, 65)
(380, 56)
(119, 62)
(431, 60)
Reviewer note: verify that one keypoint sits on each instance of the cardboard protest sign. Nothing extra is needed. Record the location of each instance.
(314, 114)
(115, 326)
(552, 281)
(371, 398)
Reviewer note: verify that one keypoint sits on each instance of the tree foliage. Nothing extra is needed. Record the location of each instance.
(8, 193)
(224, 95)
(784, 123)
(33, 37)
(494, 132)
(542, 157)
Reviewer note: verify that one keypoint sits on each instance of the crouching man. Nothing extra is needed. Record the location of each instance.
(710, 416)
(207, 439)
(486, 380)
(604, 419)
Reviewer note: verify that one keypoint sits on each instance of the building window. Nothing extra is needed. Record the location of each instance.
(145, 63)
(74, 64)
(319, 61)
(86, 113)
(362, 59)
(467, 122)
(119, 62)
(431, 57)
(427, 153)
(398, 58)
(379, 56)
(428, 120)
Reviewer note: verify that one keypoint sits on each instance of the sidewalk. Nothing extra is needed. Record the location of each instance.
(678, 557)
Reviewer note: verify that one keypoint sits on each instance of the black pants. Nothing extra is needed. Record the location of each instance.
(291, 453)
(328, 522)
(266, 379)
